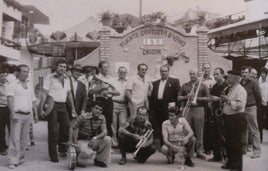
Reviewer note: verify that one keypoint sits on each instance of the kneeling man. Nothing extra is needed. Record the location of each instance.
(131, 134)
(176, 131)
(92, 136)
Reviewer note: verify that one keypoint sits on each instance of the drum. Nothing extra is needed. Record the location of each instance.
(71, 157)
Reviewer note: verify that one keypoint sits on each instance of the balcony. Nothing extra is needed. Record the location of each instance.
(9, 49)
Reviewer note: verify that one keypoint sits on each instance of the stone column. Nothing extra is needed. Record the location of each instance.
(202, 47)
(105, 54)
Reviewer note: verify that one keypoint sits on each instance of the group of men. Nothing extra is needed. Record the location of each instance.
(88, 107)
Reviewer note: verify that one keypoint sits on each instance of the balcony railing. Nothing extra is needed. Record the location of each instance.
(9, 43)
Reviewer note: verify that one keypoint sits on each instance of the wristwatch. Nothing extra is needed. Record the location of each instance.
(94, 138)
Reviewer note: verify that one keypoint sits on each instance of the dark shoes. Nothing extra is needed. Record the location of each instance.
(3, 153)
(170, 158)
(215, 159)
(189, 162)
(54, 160)
(99, 163)
(123, 161)
(225, 167)
(201, 156)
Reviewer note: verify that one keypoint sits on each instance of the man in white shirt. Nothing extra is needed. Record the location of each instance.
(21, 103)
(57, 87)
(139, 88)
(120, 103)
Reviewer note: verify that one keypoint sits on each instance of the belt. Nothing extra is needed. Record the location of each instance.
(115, 101)
(23, 113)
(60, 103)
(250, 105)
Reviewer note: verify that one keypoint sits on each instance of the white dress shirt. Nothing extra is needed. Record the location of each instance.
(161, 89)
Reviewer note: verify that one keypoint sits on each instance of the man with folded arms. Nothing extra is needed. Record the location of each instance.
(21, 103)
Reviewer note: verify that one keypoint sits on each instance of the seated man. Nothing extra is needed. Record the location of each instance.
(92, 136)
(176, 131)
(130, 135)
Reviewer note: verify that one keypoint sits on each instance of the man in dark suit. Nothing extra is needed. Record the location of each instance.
(78, 91)
(165, 91)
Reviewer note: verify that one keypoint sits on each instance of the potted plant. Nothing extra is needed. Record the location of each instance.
(106, 18)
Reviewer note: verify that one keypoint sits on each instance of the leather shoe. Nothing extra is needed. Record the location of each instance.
(123, 161)
(214, 159)
(189, 162)
(225, 167)
(201, 156)
(54, 160)
(99, 163)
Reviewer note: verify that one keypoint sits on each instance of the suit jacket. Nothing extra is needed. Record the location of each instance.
(170, 94)
(80, 99)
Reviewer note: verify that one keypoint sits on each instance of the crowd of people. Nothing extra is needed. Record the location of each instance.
(223, 114)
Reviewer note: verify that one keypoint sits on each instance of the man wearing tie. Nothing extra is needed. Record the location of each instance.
(165, 91)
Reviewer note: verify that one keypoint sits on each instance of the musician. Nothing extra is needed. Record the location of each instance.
(131, 134)
(253, 74)
(139, 88)
(92, 136)
(209, 81)
(195, 117)
(164, 91)
(57, 88)
(106, 95)
(253, 100)
(177, 132)
(234, 122)
(218, 139)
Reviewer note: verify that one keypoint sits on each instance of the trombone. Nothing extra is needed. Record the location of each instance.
(142, 141)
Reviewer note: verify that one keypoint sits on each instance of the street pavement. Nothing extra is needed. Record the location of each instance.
(37, 157)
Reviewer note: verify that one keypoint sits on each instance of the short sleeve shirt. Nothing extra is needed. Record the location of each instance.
(89, 126)
(57, 90)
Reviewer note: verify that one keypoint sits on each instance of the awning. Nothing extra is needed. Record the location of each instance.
(35, 15)
(239, 31)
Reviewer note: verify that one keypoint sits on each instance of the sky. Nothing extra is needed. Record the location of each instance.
(64, 14)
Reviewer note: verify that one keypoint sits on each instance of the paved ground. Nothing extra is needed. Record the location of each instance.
(37, 157)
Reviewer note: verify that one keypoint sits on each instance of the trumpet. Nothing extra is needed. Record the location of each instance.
(194, 94)
(142, 141)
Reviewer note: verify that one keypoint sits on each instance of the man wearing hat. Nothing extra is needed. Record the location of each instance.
(234, 103)
(78, 90)
(88, 72)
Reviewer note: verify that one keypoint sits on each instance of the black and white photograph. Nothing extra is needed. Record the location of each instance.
(134, 85)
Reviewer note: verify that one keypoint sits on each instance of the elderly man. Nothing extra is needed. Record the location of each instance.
(177, 133)
(234, 103)
(132, 132)
(21, 103)
(92, 136)
(139, 88)
(57, 89)
(253, 100)
(4, 111)
(196, 114)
